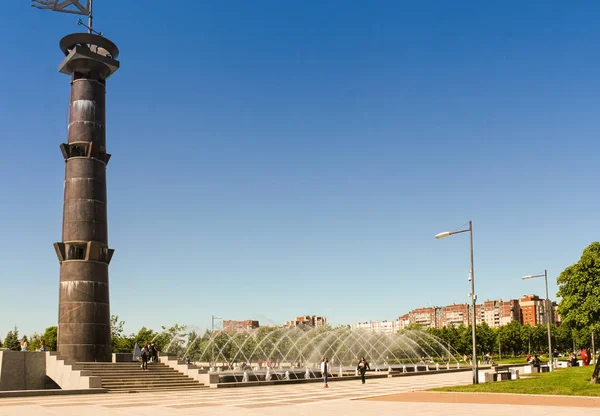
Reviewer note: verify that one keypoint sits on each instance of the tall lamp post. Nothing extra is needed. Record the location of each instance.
(472, 294)
(212, 334)
(548, 312)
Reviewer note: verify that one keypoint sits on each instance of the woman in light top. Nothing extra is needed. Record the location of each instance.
(325, 370)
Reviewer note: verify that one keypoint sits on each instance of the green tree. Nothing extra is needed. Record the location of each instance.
(50, 336)
(539, 338)
(579, 290)
(35, 342)
(171, 340)
(116, 327)
(119, 341)
(486, 339)
(465, 339)
(11, 341)
(563, 338)
(144, 336)
(509, 336)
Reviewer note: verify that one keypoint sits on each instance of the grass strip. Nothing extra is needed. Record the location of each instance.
(573, 381)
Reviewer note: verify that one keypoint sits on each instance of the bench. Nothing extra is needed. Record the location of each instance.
(491, 376)
(540, 369)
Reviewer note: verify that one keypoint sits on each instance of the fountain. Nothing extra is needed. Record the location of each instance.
(290, 350)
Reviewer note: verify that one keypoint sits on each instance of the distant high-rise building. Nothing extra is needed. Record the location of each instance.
(239, 326)
(533, 310)
(427, 317)
(455, 315)
(307, 320)
(403, 321)
(498, 312)
(380, 327)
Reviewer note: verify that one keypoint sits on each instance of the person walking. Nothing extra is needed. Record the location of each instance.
(325, 370)
(43, 345)
(151, 352)
(145, 356)
(362, 367)
(24, 344)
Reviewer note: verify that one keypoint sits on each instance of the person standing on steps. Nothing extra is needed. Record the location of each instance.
(362, 367)
(151, 352)
(325, 370)
(145, 356)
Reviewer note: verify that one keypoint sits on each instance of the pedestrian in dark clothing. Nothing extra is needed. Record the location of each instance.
(536, 362)
(145, 356)
(153, 353)
(362, 367)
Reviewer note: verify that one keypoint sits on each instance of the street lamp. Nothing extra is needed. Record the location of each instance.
(472, 294)
(212, 334)
(548, 312)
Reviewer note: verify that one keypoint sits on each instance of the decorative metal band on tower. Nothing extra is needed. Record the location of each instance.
(83, 253)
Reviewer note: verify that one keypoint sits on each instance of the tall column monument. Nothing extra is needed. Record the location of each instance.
(83, 253)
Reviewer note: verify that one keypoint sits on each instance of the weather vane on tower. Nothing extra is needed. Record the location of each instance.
(69, 6)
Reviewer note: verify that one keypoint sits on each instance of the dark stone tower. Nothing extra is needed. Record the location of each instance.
(83, 253)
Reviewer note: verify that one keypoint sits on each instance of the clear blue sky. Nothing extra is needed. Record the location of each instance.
(273, 159)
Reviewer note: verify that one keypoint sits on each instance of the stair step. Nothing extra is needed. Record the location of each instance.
(145, 385)
(129, 377)
(149, 378)
(137, 373)
(153, 389)
(145, 380)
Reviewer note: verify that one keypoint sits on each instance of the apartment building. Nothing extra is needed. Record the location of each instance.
(533, 310)
(307, 320)
(455, 315)
(403, 321)
(239, 326)
(427, 317)
(380, 327)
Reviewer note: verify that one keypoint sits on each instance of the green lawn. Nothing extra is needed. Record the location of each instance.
(573, 381)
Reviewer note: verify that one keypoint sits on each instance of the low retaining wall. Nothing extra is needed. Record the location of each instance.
(56, 392)
(122, 357)
(23, 371)
(380, 374)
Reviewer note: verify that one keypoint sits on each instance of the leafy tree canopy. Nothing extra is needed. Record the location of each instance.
(12, 340)
(579, 288)
(50, 336)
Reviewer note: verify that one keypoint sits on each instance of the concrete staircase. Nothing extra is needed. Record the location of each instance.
(129, 377)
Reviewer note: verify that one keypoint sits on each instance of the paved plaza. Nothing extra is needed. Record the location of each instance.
(377, 397)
